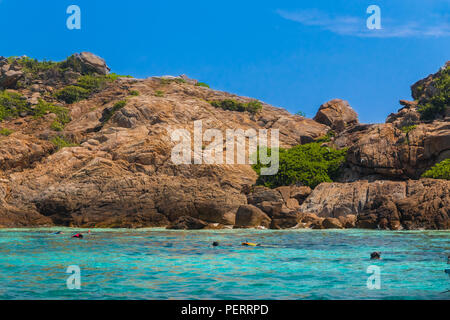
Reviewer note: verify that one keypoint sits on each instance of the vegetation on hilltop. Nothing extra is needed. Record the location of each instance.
(432, 107)
(85, 87)
(253, 106)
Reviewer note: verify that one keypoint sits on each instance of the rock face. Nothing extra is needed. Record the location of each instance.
(121, 172)
(187, 223)
(92, 63)
(411, 204)
(423, 90)
(118, 170)
(249, 216)
(337, 114)
(8, 74)
(387, 151)
(406, 116)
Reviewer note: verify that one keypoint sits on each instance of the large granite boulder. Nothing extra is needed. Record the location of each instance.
(91, 63)
(249, 216)
(9, 76)
(337, 114)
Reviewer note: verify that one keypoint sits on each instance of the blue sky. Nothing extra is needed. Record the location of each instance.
(292, 54)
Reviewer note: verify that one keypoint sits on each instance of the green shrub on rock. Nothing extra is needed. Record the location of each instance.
(86, 86)
(12, 104)
(61, 142)
(6, 132)
(309, 164)
(202, 84)
(72, 94)
(234, 105)
(440, 100)
(439, 171)
(63, 117)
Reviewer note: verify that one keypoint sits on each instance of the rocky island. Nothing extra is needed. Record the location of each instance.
(83, 147)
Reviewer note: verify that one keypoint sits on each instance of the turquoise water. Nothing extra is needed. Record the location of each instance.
(161, 264)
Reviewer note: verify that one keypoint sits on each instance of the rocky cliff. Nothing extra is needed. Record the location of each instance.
(82, 147)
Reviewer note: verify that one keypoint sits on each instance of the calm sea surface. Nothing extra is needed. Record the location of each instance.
(161, 264)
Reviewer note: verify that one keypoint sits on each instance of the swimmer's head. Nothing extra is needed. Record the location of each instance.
(375, 255)
(215, 244)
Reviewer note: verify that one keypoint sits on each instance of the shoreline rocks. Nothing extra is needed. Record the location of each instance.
(118, 171)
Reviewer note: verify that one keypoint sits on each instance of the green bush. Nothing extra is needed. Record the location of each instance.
(170, 80)
(72, 94)
(301, 114)
(233, 105)
(116, 107)
(202, 84)
(308, 164)
(326, 138)
(34, 66)
(159, 93)
(61, 142)
(12, 104)
(114, 76)
(134, 93)
(57, 126)
(5, 132)
(436, 105)
(44, 107)
(93, 83)
(439, 171)
(86, 86)
(408, 129)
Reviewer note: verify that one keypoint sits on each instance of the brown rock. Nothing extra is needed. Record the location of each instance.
(249, 216)
(310, 220)
(332, 223)
(9, 79)
(414, 204)
(300, 193)
(91, 63)
(348, 221)
(292, 203)
(386, 151)
(187, 223)
(337, 114)
(261, 194)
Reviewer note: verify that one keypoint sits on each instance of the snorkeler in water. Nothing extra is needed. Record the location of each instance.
(78, 235)
(250, 244)
(58, 232)
(375, 255)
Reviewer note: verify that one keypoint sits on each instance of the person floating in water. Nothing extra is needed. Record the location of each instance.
(215, 244)
(375, 255)
(59, 232)
(78, 235)
(250, 244)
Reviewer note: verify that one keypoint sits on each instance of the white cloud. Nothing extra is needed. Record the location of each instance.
(356, 26)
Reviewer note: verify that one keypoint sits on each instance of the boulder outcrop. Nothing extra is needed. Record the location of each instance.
(412, 204)
(111, 166)
(249, 216)
(337, 114)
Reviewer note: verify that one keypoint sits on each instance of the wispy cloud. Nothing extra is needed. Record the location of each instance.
(356, 26)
